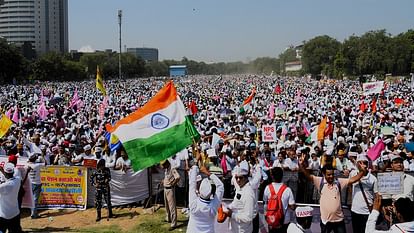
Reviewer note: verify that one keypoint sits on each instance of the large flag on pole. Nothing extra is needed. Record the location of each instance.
(156, 131)
(99, 81)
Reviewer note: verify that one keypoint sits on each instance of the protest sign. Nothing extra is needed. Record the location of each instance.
(372, 87)
(390, 182)
(91, 163)
(63, 187)
(269, 133)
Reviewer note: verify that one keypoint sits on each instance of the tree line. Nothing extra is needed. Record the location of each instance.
(375, 52)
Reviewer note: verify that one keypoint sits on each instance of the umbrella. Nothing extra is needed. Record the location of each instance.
(226, 111)
(56, 100)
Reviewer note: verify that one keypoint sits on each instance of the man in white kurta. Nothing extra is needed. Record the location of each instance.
(203, 207)
(241, 210)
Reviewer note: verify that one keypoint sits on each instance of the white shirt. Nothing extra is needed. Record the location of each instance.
(314, 164)
(343, 165)
(287, 199)
(9, 207)
(203, 213)
(402, 227)
(34, 173)
(243, 210)
(295, 228)
(370, 186)
(120, 162)
(292, 164)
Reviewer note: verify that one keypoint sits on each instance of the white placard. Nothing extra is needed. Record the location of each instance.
(268, 133)
(373, 87)
(390, 182)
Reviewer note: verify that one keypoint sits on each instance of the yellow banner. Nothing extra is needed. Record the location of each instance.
(63, 188)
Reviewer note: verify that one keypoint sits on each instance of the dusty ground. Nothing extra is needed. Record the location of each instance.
(134, 219)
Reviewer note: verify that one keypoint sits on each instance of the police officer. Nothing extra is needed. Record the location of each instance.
(100, 179)
(171, 179)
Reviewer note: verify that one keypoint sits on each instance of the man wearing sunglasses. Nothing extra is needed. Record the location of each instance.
(241, 210)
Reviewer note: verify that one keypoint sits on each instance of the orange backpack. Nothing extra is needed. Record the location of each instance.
(275, 215)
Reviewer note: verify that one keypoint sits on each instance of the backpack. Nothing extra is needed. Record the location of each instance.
(275, 215)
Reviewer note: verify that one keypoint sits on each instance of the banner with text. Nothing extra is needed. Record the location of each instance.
(268, 133)
(63, 188)
(373, 87)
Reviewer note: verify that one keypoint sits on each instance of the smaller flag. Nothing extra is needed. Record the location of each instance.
(374, 105)
(306, 130)
(113, 141)
(271, 111)
(362, 107)
(398, 101)
(193, 108)
(5, 124)
(99, 81)
(278, 89)
(74, 100)
(375, 151)
(329, 130)
(8, 113)
(246, 102)
(42, 111)
(15, 117)
(321, 129)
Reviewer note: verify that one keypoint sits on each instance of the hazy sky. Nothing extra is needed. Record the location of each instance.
(228, 30)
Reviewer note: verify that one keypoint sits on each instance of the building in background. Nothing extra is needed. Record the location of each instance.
(41, 23)
(178, 71)
(296, 65)
(146, 54)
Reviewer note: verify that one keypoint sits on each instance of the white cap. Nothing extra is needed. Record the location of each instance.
(388, 140)
(98, 149)
(9, 168)
(205, 189)
(351, 153)
(242, 169)
(302, 212)
(87, 147)
(362, 157)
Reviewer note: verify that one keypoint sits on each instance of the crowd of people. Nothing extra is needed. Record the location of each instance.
(63, 124)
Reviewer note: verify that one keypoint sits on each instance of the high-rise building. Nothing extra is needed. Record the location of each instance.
(146, 54)
(43, 23)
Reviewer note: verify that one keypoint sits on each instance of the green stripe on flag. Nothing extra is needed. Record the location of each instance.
(146, 152)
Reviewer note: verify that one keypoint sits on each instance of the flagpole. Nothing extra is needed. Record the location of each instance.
(120, 41)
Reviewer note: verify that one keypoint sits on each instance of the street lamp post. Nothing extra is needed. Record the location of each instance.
(120, 41)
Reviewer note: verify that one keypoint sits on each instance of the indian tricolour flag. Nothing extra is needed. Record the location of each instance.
(156, 131)
(247, 102)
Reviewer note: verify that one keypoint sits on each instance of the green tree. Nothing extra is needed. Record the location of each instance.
(374, 56)
(12, 63)
(318, 55)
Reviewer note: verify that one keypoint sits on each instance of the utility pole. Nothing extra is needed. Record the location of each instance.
(120, 41)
